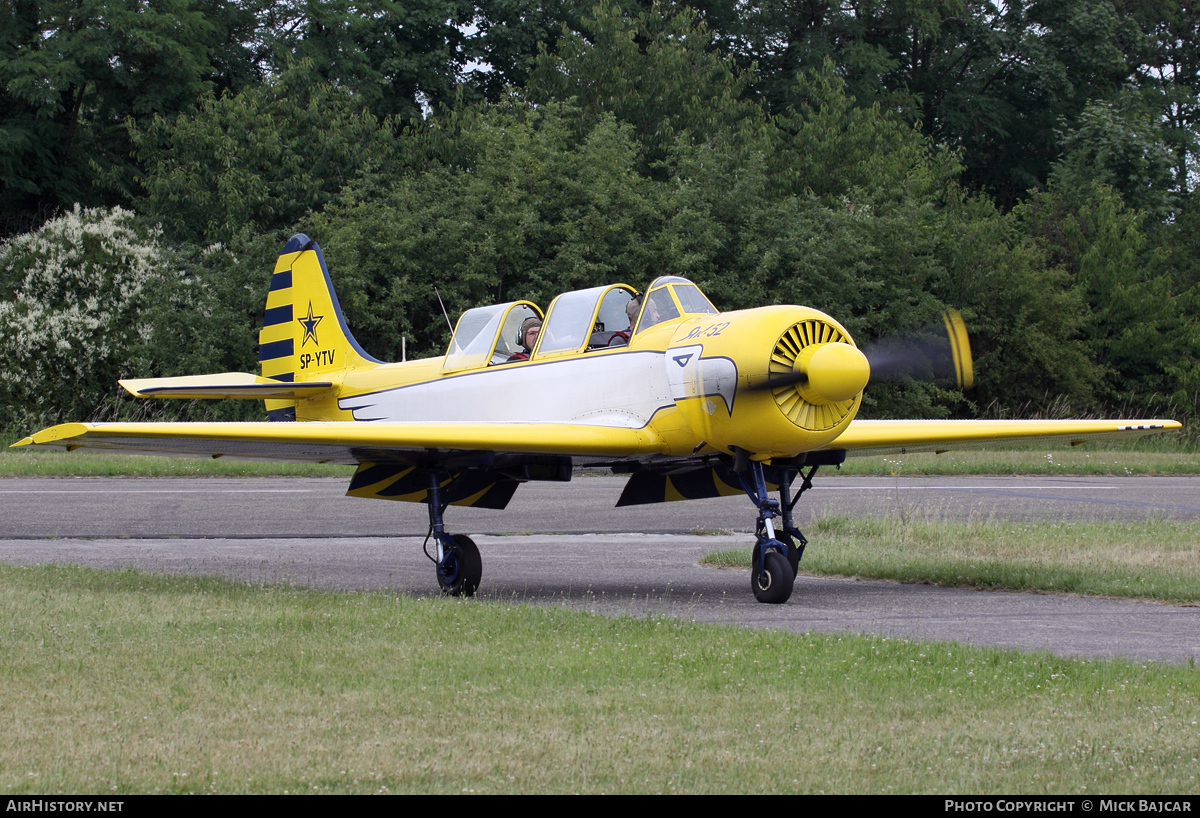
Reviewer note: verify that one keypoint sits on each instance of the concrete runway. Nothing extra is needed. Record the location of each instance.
(541, 550)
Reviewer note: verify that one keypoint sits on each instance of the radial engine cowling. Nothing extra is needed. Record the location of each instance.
(774, 381)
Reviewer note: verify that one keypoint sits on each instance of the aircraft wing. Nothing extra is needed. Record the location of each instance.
(346, 442)
(865, 437)
(481, 456)
(351, 442)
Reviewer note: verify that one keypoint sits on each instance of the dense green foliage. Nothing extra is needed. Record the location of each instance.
(71, 73)
(1028, 163)
(85, 289)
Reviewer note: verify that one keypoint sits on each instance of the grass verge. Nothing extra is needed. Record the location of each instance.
(1147, 560)
(123, 682)
(1085, 460)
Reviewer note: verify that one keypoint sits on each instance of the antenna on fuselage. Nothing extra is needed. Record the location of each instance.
(439, 295)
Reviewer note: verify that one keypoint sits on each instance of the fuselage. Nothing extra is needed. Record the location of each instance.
(695, 381)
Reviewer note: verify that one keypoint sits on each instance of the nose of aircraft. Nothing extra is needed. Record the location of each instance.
(836, 372)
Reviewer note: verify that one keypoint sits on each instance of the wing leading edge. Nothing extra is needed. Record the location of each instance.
(345, 442)
(865, 437)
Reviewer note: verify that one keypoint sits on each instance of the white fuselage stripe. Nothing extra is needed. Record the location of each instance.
(616, 389)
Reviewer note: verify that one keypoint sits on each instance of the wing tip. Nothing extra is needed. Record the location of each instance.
(1153, 426)
(131, 386)
(53, 435)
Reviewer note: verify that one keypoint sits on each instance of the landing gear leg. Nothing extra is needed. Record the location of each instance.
(790, 535)
(459, 567)
(771, 574)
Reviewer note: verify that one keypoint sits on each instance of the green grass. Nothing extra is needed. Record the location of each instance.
(1085, 460)
(1147, 560)
(125, 683)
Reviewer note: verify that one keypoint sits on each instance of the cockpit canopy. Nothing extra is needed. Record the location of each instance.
(580, 321)
(586, 320)
(668, 298)
(488, 335)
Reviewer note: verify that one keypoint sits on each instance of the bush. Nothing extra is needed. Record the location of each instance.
(79, 299)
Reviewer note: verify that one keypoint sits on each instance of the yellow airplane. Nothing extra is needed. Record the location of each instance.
(688, 401)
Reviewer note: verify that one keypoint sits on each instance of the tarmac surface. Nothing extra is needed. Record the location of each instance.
(545, 549)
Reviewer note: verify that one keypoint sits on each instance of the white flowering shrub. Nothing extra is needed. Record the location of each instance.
(74, 296)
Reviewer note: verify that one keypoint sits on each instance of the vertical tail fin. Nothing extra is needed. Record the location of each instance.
(304, 335)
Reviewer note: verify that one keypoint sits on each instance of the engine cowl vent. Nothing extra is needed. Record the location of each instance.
(791, 398)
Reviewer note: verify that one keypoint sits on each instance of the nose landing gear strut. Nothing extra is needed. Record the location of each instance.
(776, 557)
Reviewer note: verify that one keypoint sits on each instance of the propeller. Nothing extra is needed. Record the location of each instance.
(831, 372)
(924, 351)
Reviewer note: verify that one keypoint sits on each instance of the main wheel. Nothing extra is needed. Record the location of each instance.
(776, 586)
(461, 571)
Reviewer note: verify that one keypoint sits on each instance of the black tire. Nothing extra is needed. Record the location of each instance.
(793, 555)
(463, 570)
(776, 587)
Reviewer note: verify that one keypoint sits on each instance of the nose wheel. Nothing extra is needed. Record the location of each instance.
(775, 560)
(771, 578)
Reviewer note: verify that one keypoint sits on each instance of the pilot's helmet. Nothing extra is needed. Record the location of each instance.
(526, 325)
(632, 307)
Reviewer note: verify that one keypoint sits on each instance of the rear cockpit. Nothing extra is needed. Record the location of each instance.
(486, 336)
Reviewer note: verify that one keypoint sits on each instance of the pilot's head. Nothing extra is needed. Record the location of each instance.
(530, 328)
(632, 307)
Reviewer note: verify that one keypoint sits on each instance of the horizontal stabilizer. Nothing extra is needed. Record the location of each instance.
(221, 385)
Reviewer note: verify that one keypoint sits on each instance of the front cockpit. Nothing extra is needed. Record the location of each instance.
(671, 297)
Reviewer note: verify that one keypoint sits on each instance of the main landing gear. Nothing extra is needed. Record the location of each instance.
(459, 567)
(777, 552)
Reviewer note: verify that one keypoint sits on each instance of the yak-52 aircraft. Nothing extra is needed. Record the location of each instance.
(689, 401)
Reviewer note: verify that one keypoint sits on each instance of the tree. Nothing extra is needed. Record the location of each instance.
(654, 72)
(71, 72)
(1168, 67)
(1140, 333)
(397, 57)
(256, 162)
(993, 80)
(1118, 144)
(524, 211)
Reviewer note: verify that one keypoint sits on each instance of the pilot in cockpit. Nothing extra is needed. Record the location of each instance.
(526, 338)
